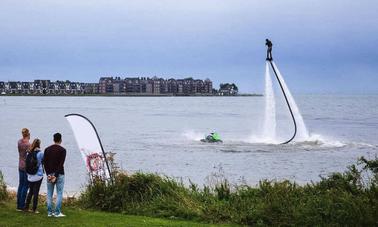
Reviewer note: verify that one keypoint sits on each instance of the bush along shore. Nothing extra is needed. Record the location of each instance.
(347, 199)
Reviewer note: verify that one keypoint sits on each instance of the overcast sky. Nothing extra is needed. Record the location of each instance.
(320, 46)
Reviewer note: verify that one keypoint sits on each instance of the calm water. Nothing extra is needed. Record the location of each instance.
(162, 135)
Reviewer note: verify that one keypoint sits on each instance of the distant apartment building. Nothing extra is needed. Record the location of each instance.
(135, 85)
(154, 86)
(91, 88)
(105, 85)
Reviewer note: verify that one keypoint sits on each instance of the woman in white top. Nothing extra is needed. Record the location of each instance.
(35, 180)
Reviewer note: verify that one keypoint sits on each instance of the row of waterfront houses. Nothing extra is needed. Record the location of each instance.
(114, 86)
(42, 87)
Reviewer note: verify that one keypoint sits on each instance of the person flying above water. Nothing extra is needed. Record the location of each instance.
(269, 51)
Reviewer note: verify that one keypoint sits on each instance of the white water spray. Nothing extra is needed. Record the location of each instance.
(302, 133)
(269, 133)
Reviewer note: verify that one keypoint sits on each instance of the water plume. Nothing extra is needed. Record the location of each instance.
(269, 129)
(302, 133)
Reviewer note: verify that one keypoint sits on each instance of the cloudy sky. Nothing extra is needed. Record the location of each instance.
(320, 46)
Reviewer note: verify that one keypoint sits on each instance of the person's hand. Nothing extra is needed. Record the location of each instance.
(51, 178)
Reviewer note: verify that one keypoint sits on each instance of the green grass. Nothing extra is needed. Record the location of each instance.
(79, 217)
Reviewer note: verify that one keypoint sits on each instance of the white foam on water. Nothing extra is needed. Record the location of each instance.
(261, 139)
(269, 129)
(302, 133)
(314, 141)
(321, 141)
(193, 135)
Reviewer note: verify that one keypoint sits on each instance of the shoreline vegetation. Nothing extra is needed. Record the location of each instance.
(349, 198)
(131, 95)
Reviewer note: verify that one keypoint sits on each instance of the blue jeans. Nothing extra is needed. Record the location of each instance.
(22, 190)
(59, 191)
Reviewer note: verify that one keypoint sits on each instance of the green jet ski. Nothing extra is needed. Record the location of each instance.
(212, 138)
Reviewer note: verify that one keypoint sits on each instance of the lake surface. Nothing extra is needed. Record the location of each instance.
(161, 134)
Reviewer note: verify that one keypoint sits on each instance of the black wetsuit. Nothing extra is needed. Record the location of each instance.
(269, 51)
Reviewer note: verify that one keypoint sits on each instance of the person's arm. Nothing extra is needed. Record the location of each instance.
(40, 160)
(62, 159)
(44, 161)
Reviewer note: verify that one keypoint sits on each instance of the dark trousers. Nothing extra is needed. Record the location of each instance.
(23, 186)
(269, 53)
(33, 191)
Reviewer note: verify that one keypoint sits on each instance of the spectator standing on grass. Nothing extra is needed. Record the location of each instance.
(34, 171)
(53, 161)
(23, 147)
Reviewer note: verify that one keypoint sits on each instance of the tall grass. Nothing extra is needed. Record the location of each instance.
(3, 188)
(348, 198)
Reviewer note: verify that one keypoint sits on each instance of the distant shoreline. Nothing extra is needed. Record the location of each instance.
(129, 95)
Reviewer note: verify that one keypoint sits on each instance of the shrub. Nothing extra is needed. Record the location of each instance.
(349, 198)
(3, 188)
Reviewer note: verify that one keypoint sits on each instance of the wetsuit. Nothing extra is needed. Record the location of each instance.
(269, 51)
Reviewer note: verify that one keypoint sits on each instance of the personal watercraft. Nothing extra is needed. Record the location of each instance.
(212, 138)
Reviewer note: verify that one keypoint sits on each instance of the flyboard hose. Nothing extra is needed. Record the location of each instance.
(287, 102)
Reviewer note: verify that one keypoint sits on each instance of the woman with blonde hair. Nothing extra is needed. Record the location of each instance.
(34, 171)
(23, 147)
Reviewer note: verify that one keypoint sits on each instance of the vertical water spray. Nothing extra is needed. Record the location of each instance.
(269, 133)
(302, 133)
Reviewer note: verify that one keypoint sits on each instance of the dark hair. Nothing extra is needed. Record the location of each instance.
(57, 137)
(36, 144)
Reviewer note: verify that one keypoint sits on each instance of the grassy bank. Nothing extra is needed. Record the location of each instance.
(349, 198)
(79, 217)
(76, 216)
(341, 199)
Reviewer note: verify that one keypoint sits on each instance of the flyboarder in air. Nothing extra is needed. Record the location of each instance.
(212, 138)
(269, 58)
(269, 51)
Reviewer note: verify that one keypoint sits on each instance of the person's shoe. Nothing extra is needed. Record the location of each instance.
(50, 215)
(18, 209)
(35, 211)
(60, 215)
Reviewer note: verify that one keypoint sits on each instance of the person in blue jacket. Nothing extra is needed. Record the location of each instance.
(35, 180)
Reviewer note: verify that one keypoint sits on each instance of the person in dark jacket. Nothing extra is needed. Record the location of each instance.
(269, 44)
(53, 161)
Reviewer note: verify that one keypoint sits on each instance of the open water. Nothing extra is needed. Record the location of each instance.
(161, 134)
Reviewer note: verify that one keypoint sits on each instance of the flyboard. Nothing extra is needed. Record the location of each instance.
(90, 146)
(270, 60)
